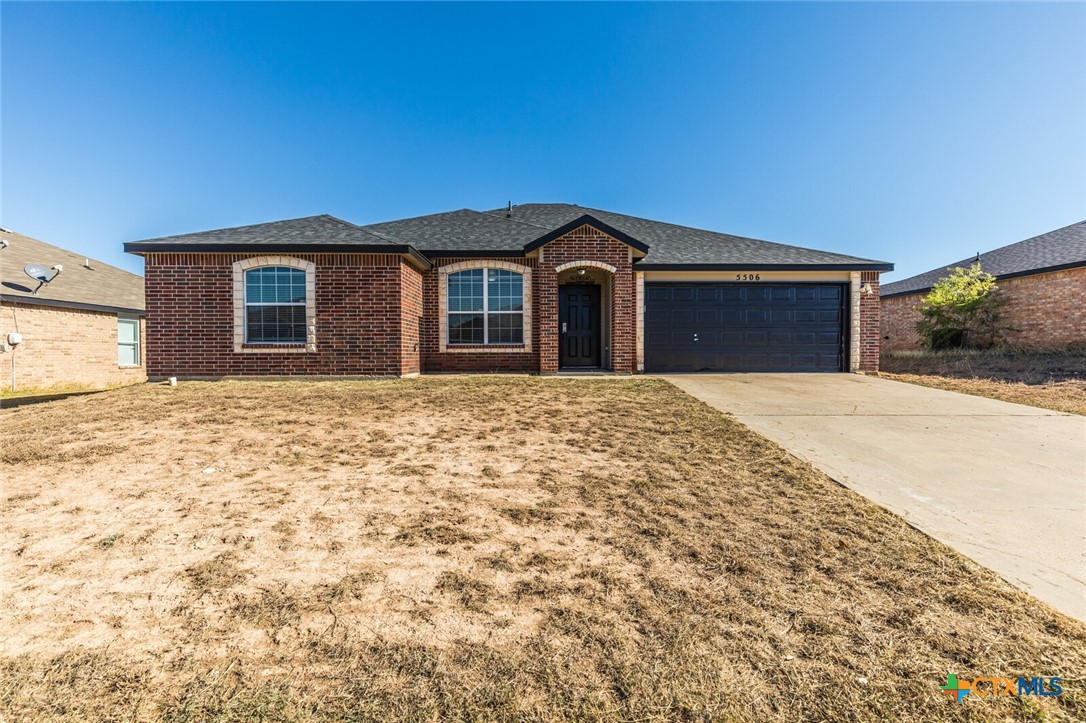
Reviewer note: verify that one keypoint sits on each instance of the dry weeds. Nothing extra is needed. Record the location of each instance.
(476, 548)
(1050, 380)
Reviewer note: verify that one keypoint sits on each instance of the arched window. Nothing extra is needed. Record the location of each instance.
(275, 310)
(485, 306)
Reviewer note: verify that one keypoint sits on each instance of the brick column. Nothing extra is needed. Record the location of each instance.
(869, 323)
(546, 318)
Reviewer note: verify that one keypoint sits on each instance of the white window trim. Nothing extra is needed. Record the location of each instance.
(135, 344)
(443, 307)
(239, 269)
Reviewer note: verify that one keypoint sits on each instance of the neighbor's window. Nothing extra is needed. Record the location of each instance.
(275, 305)
(486, 306)
(128, 341)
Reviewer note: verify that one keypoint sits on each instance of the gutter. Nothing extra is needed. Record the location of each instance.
(9, 298)
(140, 247)
(764, 267)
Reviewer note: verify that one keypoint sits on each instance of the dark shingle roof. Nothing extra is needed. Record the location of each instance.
(101, 285)
(672, 244)
(1063, 248)
(467, 231)
(669, 244)
(463, 230)
(323, 229)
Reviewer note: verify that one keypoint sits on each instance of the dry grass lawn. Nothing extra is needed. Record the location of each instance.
(476, 549)
(1055, 380)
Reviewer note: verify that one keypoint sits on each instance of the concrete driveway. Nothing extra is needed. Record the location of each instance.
(1003, 483)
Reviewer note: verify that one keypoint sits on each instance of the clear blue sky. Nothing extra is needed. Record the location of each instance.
(915, 133)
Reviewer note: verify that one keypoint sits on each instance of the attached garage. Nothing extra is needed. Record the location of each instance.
(735, 327)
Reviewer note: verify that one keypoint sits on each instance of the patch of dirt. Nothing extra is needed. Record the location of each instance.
(475, 547)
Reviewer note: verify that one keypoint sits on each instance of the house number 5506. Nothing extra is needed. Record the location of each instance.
(748, 277)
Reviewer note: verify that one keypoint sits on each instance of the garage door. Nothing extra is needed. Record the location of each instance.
(744, 327)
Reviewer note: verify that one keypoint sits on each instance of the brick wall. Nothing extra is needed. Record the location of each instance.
(899, 322)
(1047, 310)
(869, 323)
(587, 244)
(362, 324)
(63, 348)
(460, 359)
(410, 319)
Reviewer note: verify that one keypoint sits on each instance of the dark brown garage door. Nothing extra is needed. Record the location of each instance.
(744, 327)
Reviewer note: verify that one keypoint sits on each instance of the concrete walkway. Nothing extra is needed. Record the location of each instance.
(1002, 483)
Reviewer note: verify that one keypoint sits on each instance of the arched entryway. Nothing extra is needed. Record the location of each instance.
(585, 302)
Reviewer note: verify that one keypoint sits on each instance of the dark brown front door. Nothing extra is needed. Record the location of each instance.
(579, 326)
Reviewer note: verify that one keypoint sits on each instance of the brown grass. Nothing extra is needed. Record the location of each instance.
(1050, 380)
(476, 549)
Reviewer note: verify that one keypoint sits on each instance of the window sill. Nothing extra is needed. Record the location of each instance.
(129, 366)
(276, 349)
(486, 348)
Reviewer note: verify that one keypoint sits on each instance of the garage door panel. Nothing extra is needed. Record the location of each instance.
(744, 327)
(756, 338)
(781, 338)
(783, 316)
(802, 339)
(831, 316)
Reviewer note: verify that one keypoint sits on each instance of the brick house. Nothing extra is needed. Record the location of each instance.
(1043, 280)
(83, 328)
(543, 288)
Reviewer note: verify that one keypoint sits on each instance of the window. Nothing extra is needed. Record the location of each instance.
(275, 305)
(128, 342)
(485, 306)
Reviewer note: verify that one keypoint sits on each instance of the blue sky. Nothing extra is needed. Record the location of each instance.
(916, 133)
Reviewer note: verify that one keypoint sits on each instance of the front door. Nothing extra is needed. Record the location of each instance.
(579, 326)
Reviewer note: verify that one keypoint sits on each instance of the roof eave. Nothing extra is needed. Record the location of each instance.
(141, 247)
(473, 253)
(870, 266)
(36, 300)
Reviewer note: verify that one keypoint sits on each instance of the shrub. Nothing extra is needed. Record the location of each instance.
(963, 309)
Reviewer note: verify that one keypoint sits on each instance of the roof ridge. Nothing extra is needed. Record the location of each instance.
(376, 234)
(236, 228)
(510, 218)
(978, 256)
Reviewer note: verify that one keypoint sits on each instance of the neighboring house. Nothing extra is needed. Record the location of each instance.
(1043, 280)
(534, 288)
(83, 328)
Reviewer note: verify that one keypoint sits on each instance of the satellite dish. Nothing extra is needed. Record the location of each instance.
(37, 272)
(41, 274)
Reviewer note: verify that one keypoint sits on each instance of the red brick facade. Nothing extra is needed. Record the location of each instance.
(869, 323)
(64, 347)
(379, 315)
(411, 316)
(1046, 309)
(363, 326)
